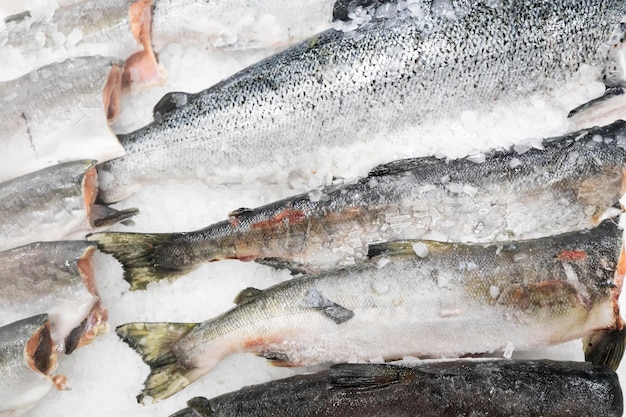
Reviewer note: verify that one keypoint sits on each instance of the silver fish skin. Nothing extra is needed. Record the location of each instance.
(53, 204)
(27, 364)
(134, 30)
(56, 278)
(452, 301)
(238, 23)
(117, 28)
(59, 113)
(386, 79)
(570, 184)
(480, 388)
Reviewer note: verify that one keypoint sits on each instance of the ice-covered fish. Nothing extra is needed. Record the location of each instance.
(569, 183)
(495, 388)
(56, 278)
(118, 28)
(59, 113)
(134, 30)
(420, 298)
(382, 82)
(52, 204)
(28, 360)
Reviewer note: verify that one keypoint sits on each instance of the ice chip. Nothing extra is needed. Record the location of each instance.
(508, 350)
(420, 249)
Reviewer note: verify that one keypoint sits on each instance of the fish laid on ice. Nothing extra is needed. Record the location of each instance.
(56, 278)
(27, 361)
(569, 184)
(59, 113)
(494, 388)
(419, 298)
(384, 80)
(52, 204)
(118, 28)
(134, 30)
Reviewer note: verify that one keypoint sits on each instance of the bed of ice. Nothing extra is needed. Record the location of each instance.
(106, 376)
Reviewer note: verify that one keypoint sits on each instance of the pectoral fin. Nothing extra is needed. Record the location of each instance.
(330, 309)
(600, 111)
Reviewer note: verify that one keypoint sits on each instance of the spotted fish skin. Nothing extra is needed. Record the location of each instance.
(386, 79)
(570, 184)
(525, 294)
(470, 387)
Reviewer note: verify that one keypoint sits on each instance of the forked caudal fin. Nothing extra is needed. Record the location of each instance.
(605, 348)
(136, 253)
(154, 342)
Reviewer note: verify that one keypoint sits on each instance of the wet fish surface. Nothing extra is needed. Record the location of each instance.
(56, 278)
(568, 183)
(27, 364)
(135, 30)
(419, 298)
(433, 389)
(60, 113)
(54, 203)
(386, 78)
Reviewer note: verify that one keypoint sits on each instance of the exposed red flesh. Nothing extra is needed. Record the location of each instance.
(286, 216)
(112, 93)
(572, 255)
(142, 67)
(90, 189)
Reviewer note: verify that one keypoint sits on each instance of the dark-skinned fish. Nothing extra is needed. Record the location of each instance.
(477, 388)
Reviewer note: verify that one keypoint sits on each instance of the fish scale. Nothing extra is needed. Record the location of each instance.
(459, 299)
(386, 78)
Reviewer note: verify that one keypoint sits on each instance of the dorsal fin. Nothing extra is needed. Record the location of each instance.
(169, 102)
(246, 295)
(368, 376)
(402, 165)
(240, 211)
(411, 248)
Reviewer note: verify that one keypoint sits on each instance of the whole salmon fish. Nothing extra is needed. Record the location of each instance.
(381, 83)
(56, 278)
(28, 360)
(478, 388)
(419, 298)
(570, 183)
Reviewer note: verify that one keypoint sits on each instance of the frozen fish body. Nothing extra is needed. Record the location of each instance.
(117, 28)
(56, 278)
(459, 299)
(27, 361)
(494, 388)
(54, 203)
(59, 113)
(570, 184)
(383, 80)
(134, 30)
(238, 23)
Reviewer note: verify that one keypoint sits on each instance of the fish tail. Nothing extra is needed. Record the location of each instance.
(605, 348)
(136, 253)
(154, 342)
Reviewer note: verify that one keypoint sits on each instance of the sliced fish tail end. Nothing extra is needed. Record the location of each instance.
(154, 342)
